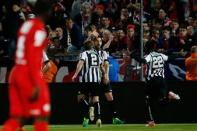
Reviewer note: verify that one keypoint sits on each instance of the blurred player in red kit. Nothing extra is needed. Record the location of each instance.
(28, 93)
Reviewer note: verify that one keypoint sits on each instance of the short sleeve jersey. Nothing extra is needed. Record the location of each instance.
(155, 63)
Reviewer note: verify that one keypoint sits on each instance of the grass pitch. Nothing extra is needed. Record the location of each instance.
(125, 127)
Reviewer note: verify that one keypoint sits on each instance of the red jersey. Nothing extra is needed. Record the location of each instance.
(26, 73)
(32, 39)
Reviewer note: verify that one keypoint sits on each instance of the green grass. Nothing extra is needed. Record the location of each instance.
(125, 127)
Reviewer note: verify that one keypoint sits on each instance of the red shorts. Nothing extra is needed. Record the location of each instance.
(20, 91)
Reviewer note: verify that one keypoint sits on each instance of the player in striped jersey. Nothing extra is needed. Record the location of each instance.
(89, 69)
(155, 79)
(105, 83)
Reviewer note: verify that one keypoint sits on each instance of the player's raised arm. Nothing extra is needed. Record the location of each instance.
(137, 57)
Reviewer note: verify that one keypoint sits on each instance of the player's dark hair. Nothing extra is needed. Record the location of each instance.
(150, 46)
(42, 7)
(88, 45)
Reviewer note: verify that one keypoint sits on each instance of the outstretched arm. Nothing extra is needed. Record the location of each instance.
(136, 56)
(174, 56)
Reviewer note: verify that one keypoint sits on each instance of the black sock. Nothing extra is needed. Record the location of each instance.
(97, 110)
(149, 116)
(112, 108)
(85, 108)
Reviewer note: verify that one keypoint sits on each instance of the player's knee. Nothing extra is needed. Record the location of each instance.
(109, 96)
(95, 99)
(80, 98)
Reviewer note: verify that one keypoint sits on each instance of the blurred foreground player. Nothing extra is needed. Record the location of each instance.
(28, 93)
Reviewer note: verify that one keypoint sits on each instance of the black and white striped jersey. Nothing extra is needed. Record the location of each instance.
(103, 55)
(155, 63)
(91, 69)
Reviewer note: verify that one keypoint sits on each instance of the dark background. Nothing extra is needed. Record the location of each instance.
(130, 103)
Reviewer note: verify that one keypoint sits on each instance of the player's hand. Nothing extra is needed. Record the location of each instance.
(74, 77)
(35, 94)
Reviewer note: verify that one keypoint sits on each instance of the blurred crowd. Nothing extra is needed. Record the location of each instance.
(115, 23)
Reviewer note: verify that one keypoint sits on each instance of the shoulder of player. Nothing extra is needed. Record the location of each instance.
(31, 26)
(38, 22)
(103, 53)
(154, 53)
(38, 25)
(164, 55)
(147, 55)
(86, 52)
